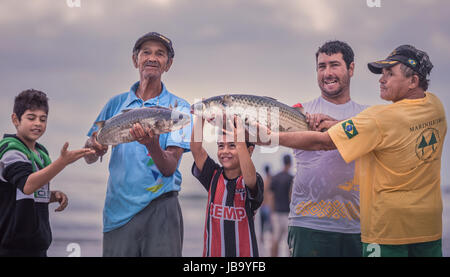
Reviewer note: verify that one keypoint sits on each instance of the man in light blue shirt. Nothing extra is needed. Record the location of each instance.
(142, 215)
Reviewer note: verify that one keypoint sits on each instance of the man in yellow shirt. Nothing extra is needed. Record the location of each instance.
(398, 149)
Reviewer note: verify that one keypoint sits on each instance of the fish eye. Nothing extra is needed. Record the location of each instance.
(180, 117)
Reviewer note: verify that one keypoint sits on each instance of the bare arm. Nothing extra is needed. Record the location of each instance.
(38, 179)
(303, 140)
(247, 167)
(307, 140)
(198, 152)
(166, 160)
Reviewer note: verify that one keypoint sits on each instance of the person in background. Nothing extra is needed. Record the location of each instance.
(280, 187)
(266, 207)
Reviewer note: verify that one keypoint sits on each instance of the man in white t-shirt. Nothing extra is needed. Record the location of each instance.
(324, 210)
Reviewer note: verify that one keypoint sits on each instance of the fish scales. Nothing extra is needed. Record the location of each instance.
(290, 119)
(161, 120)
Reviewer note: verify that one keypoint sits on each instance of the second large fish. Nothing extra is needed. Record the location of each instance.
(161, 120)
(265, 110)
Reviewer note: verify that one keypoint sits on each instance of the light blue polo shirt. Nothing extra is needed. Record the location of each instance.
(134, 180)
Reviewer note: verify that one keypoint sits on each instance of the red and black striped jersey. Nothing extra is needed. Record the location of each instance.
(229, 221)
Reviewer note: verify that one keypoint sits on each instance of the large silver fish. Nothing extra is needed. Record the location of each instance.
(116, 130)
(161, 120)
(267, 111)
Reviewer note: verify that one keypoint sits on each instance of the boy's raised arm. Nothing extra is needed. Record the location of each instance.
(197, 149)
(247, 167)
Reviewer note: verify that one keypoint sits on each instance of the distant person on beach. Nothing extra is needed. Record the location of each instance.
(142, 215)
(235, 191)
(266, 206)
(280, 187)
(25, 174)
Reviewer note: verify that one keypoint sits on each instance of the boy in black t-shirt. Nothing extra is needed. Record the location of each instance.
(25, 173)
(235, 191)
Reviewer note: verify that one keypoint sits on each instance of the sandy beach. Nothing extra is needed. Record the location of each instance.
(81, 224)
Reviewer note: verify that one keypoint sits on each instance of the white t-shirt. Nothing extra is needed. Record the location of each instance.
(324, 195)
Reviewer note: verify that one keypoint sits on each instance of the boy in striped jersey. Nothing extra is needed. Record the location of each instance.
(235, 192)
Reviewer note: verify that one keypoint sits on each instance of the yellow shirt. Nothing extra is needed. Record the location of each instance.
(398, 150)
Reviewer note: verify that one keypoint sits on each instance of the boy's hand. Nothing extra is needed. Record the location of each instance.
(58, 196)
(238, 130)
(144, 136)
(69, 157)
(197, 128)
(264, 136)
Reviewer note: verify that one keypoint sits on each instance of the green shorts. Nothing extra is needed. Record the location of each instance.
(304, 242)
(424, 249)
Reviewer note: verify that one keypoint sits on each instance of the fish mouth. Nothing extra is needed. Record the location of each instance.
(197, 108)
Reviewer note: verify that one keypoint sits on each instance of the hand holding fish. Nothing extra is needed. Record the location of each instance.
(144, 136)
(320, 122)
(99, 149)
(235, 129)
(264, 136)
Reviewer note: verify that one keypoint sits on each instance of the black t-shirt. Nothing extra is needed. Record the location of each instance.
(280, 186)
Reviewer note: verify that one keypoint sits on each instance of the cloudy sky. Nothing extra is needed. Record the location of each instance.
(81, 56)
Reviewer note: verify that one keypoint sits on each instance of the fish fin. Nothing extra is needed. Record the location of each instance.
(100, 124)
(170, 106)
(176, 104)
(271, 98)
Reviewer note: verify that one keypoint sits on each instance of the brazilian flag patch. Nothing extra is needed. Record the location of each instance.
(349, 129)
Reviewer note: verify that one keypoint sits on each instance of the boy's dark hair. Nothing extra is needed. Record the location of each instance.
(335, 47)
(30, 99)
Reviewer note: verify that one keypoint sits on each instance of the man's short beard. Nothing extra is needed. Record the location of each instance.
(333, 95)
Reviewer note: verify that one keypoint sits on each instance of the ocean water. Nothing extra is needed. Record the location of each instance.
(77, 231)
